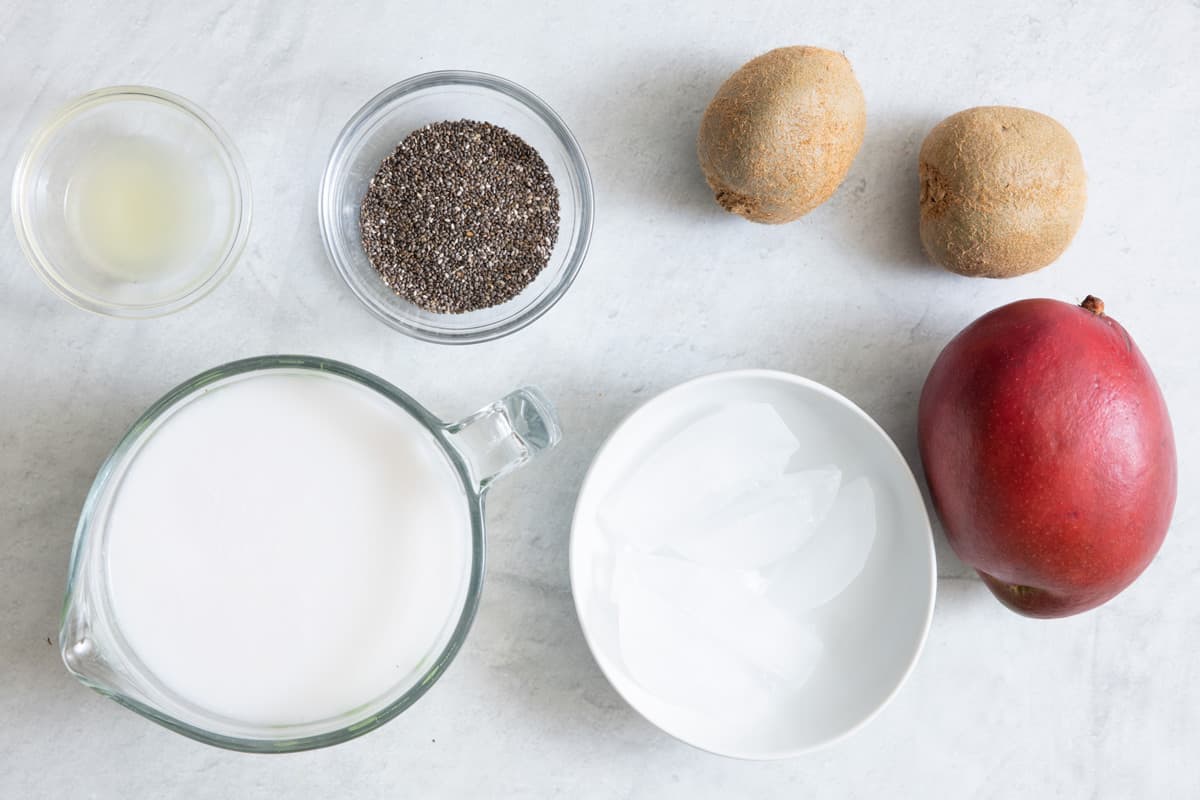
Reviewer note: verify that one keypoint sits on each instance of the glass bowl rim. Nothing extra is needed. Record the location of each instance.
(379, 106)
(26, 227)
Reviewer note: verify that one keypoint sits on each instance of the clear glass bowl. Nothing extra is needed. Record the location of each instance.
(47, 183)
(373, 133)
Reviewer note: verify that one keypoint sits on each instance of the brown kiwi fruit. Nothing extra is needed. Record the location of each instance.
(1002, 191)
(780, 134)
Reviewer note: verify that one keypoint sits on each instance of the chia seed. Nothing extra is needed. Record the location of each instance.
(461, 216)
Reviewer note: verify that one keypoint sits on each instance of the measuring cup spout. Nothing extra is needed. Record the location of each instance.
(83, 653)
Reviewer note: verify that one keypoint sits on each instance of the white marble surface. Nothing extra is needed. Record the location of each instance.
(1102, 705)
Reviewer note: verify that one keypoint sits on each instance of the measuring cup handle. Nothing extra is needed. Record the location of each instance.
(505, 435)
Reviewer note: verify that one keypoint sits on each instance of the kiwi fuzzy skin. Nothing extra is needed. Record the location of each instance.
(1003, 191)
(781, 133)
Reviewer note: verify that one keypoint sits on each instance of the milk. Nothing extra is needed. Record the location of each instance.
(288, 547)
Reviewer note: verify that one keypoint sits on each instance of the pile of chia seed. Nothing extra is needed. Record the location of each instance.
(461, 216)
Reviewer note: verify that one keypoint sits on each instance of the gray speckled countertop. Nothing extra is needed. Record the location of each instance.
(1101, 705)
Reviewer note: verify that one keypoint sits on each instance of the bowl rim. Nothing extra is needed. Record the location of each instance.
(347, 143)
(26, 227)
(575, 560)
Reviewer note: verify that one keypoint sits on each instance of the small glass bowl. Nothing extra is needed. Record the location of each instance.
(45, 211)
(375, 131)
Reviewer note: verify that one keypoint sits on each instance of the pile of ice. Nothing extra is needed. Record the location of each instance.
(721, 553)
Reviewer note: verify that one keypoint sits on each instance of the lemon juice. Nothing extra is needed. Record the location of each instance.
(135, 207)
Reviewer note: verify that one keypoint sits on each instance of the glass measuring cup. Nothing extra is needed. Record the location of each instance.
(477, 450)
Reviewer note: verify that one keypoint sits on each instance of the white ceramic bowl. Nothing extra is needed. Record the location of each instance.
(872, 633)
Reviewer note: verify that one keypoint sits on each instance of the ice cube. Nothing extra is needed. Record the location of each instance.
(729, 606)
(706, 466)
(764, 525)
(678, 579)
(679, 663)
(836, 554)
